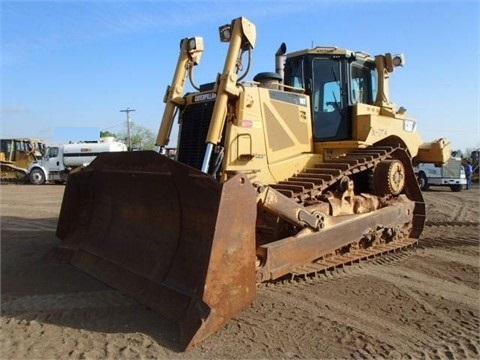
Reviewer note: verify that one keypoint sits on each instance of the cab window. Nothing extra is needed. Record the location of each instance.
(364, 84)
(52, 152)
(294, 74)
(327, 98)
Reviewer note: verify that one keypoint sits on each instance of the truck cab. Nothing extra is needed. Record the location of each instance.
(452, 174)
(53, 159)
(51, 167)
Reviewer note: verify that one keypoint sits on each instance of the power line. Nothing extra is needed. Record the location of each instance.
(128, 111)
(112, 126)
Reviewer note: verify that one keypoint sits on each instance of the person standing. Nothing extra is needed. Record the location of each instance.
(468, 174)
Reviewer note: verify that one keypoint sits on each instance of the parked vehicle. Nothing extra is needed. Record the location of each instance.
(59, 161)
(452, 174)
(15, 156)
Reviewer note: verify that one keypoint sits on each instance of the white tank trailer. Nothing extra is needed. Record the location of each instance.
(59, 161)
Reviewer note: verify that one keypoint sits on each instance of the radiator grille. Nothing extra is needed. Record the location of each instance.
(194, 122)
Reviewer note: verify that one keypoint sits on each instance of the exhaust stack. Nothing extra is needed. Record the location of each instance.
(280, 60)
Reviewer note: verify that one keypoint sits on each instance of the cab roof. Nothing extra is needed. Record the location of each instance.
(332, 50)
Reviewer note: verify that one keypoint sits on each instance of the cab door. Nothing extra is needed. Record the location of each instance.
(330, 100)
(54, 159)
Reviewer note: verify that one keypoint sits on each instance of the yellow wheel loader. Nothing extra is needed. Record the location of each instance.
(289, 174)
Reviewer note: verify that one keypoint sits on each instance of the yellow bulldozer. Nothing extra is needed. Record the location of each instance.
(15, 156)
(289, 174)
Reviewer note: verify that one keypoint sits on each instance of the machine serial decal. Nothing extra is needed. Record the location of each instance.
(292, 98)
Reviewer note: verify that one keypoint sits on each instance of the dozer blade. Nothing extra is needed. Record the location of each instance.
(166, 234)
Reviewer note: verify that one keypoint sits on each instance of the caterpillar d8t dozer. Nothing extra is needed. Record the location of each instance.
(291, 173)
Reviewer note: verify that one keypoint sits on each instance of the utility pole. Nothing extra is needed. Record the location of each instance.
(128, 111)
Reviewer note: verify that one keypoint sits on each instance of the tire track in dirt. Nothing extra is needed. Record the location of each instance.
(303, 326)
(457, 334)
(438, 223)
(454, 333)
(446, 207)
(21, 225)
(64, 302)
(366, 323)
(446, 199)
(429, 284)
(451, 244)
(448, 236)
(393, 335)
(441, 208)
(461, 215)
(446, 255)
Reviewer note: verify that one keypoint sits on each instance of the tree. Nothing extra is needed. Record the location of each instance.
(469, 151)
(107, 134)
(141, 137)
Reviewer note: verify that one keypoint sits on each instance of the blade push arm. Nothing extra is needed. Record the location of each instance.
(241, 35)
(191, 50)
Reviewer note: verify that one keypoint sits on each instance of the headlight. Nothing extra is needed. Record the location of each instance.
(192, 44)
(398, 60)
(225, 33)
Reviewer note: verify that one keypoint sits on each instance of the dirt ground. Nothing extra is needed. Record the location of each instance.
(417, 304)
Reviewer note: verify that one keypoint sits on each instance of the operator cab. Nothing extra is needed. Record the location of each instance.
(335, 80)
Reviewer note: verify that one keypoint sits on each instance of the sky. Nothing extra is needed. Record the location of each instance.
(79, 63)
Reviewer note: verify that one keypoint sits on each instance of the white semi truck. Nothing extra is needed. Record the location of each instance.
(59, 161)
(452, 174)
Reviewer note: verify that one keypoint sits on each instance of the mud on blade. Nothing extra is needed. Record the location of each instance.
(166, 234)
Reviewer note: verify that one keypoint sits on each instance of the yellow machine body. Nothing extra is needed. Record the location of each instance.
(293, 173)
(15, 156)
